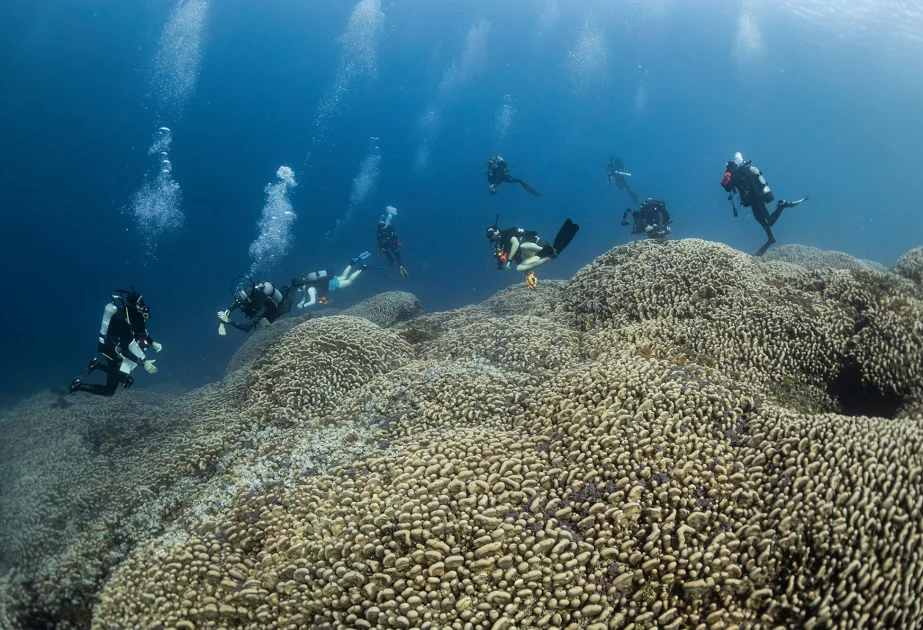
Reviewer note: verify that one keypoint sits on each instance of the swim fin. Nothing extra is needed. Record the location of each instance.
(529, 189)
(565, 236)
(791, 204)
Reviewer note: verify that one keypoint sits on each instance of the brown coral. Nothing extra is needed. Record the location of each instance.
(312, 365)
(650, 445)
(814, 258)
(910, 265)
(387, 309)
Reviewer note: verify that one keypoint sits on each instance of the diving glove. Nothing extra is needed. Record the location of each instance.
(222, 330)
(157, 346)
(531, 280)
(224, 316)
(403, 271)
(150, 367)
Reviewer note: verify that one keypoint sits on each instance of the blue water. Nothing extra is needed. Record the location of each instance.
(827, 106)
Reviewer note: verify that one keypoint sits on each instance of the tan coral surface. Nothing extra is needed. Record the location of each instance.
(680, 437)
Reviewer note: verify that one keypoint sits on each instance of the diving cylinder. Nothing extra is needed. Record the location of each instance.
(765, 192)
(108, 312)
(272, 292)
(316, 275)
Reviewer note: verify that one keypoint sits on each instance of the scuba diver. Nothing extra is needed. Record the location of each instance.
(317, 284)
(747, 180)
(526, 248)
(498, 172)
(123, 341)
(651, 219)
(262, 303)
(615, 173)
(388, 242)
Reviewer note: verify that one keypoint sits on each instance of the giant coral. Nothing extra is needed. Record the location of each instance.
(680, 437)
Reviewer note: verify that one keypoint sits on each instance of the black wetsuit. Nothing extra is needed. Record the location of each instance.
(498, 172)
(388, 242)
(613, 170)
(745, 182)
(260, 307)
(126, 334)
(651, 214)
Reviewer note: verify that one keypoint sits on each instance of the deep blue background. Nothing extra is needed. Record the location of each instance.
(820, 110)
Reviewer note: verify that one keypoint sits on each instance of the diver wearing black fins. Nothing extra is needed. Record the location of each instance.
(747, 180)
(388, 242)
(527, 249)
(651, 220)
(615, 174)
(498, 172)
(123, 340)
(262, 304)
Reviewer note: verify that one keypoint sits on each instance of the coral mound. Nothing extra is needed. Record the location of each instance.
(910, 265)
(680, 437)
(384, 309)
(387, 309)
(302, 376)
(835, 340)
(814, 258)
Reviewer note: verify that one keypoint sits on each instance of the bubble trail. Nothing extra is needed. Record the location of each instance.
(454, 79)
(175, 72)
(390, 213)
(157, 205)
(359, 44)
(364, 184)
(505, 116)
(275, 225)
(587, 63)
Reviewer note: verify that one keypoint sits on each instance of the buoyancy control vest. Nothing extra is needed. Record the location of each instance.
(750, 183)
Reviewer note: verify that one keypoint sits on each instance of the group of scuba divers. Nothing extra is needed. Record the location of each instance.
(740, 178)
(124, 340)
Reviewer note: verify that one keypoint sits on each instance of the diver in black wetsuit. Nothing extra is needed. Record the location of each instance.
(388, 242)
(262, 304)
(651, 220)
(123, 340)
(527, 249)
(747, 180)
(615, 174)
(498, 172)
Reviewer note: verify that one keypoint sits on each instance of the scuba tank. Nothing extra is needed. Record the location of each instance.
(110, 310)
(314, 276)
(271, 292)
(760, 186)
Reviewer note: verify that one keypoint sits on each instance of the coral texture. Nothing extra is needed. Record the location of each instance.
(679, 437)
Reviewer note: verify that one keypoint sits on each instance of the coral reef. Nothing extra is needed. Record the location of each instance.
(910, 266)
(814, 258)
(817, 337)
(679, 437)
(302, 377)
(384, 309)
(257, 343)
(387, 309)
